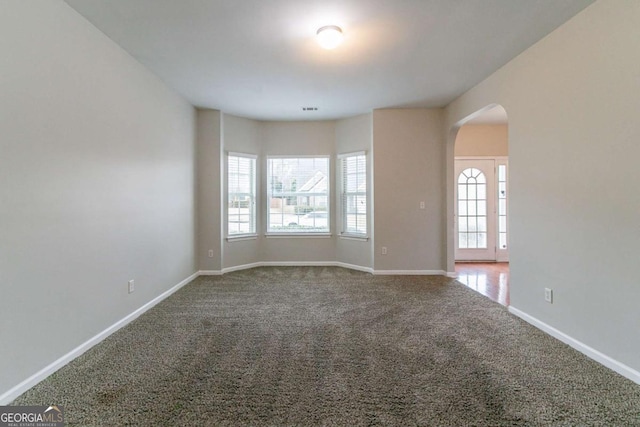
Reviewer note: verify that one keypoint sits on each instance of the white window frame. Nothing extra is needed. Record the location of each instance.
(297, 233)
(344, 194)
(253, 218)
(502, 254)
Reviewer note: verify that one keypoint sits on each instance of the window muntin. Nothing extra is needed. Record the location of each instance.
(241, 194)
(298, 194)
(353, 194)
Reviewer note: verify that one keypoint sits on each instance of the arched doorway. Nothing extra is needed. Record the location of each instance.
(480, 203)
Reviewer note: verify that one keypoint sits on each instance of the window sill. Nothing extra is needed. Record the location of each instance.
(354, 237)
(242, 237)
(298, 235)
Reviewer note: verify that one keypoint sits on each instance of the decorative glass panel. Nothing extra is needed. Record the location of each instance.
(472, 209)
(502, 206)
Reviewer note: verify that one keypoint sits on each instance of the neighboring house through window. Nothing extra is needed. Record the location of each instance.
(298, 194)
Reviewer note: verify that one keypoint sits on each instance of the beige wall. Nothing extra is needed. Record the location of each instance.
(352, 135)
(306, 139)
(97, 185)
(409, 149)
(99, 177)
(482, 140)
(209, 189)
(406, 152)
(572, 102)
(240, 135)
(274, 138)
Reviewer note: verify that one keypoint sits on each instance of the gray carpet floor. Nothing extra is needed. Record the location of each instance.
(329, 346)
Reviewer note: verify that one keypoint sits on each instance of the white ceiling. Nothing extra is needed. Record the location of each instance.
(259, 59)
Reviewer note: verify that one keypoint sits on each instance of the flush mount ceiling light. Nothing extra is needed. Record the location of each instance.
(330, 36)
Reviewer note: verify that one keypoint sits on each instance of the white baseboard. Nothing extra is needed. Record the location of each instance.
(329, 264)
(240, 267)
(592, 353)
(294, 264)
(10, 395)
(451, 274)
(409, 272)
(298, 264)
(354, 267)
(209, 273)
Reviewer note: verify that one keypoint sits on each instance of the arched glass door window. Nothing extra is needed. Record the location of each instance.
(472, 209)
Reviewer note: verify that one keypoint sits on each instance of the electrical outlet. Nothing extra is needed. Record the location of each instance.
(422, 205)
(384, 250)
(548, 295)
(132, 286)
(210, 253)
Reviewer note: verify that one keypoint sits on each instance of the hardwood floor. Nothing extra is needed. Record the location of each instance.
(490, 279)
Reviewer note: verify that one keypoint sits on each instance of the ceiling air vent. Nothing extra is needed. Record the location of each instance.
(309, 108)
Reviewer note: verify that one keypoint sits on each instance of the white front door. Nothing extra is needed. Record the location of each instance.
(475, 216)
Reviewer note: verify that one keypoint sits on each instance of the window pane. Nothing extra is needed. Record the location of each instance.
(353, 198)
(360, 205)
(471, 192)
(462, 208)
(462, 240)
(482, 240)
(472, 240)
(502, 223)
(276, 220)
(472, 208)
(503, 240)
(482, 192)
(482, 208)
(502, 207)
(462, 192)
(462, 223)
(241, 187)
(482, 223)
(298, 194)
(502, 173)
